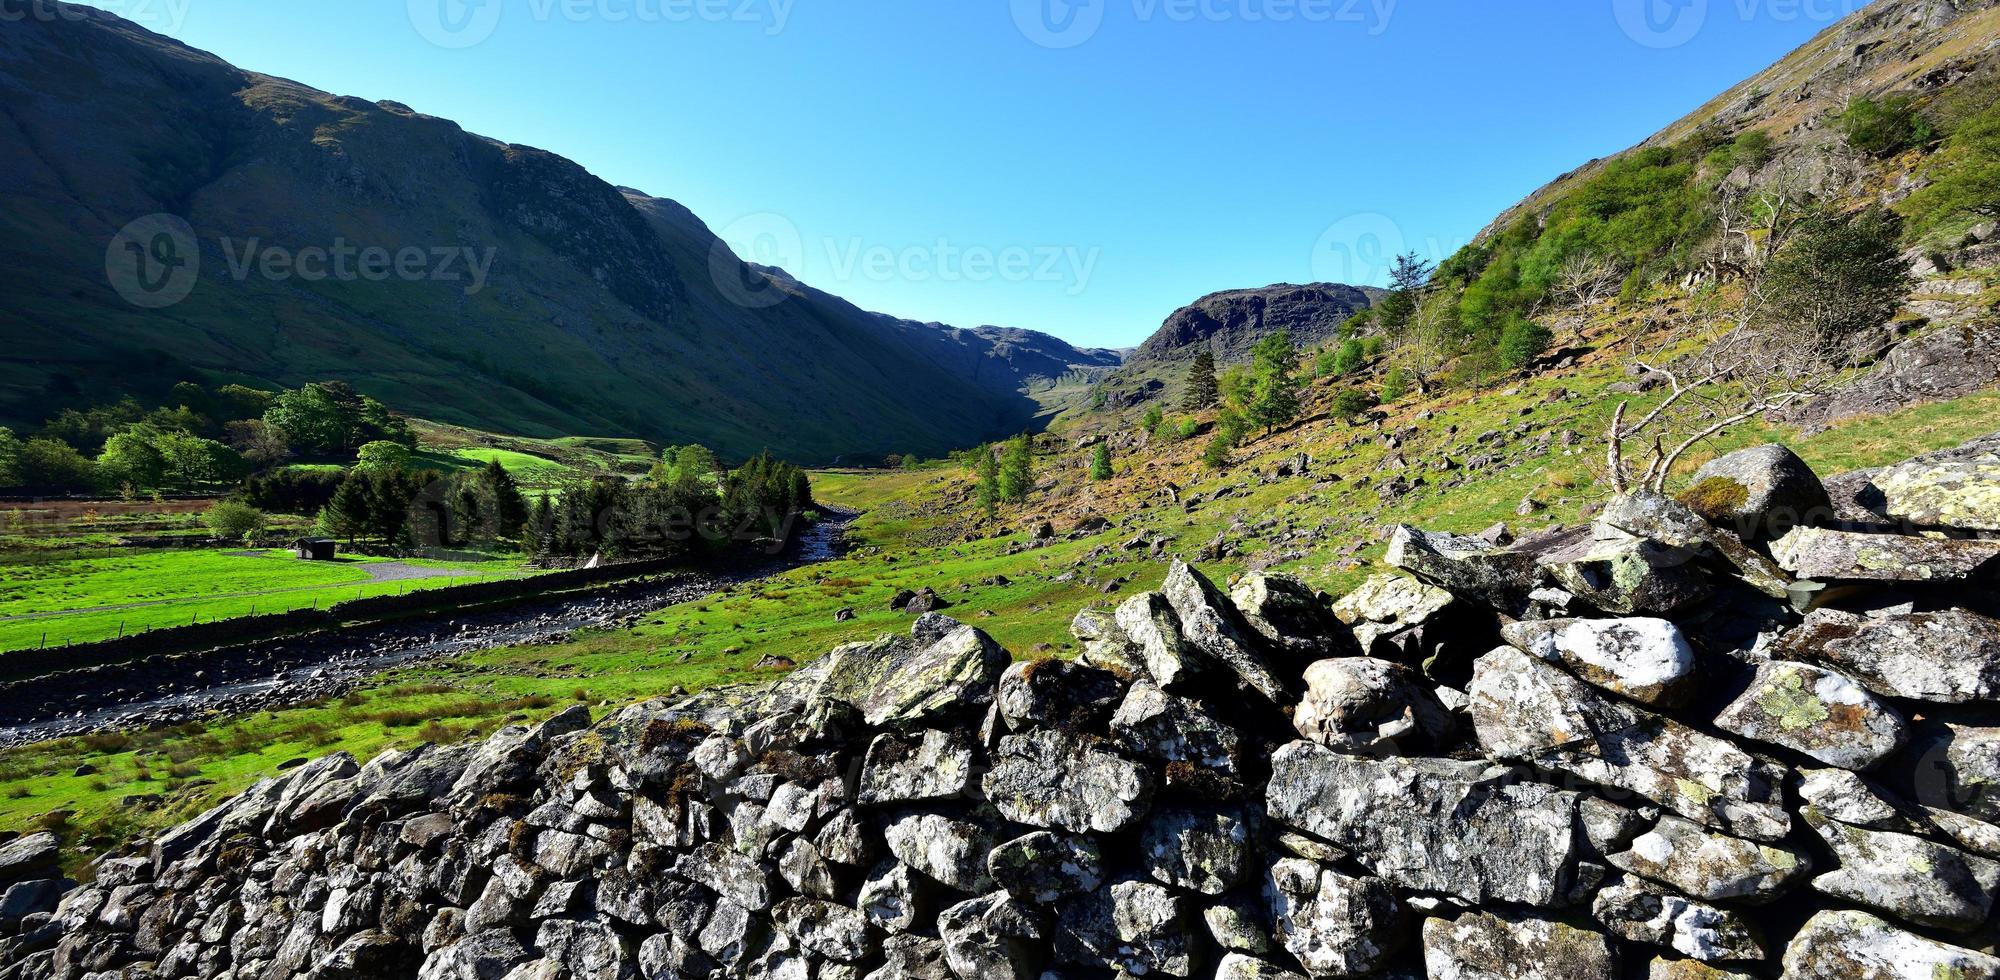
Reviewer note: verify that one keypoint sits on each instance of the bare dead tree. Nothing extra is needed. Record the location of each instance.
(1586, 278)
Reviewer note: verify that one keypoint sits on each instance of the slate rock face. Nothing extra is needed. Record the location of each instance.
(1220, 785)
(1831, 556)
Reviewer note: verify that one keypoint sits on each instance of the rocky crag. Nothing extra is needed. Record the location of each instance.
(1749, 733)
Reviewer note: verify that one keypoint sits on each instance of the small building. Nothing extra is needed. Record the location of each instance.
(314, 549)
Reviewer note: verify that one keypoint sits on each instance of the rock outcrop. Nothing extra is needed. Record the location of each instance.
(1473, 772)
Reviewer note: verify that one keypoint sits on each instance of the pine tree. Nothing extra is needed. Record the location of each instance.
(1017, 470)
(509, 507)
(1202, 389)
(1275, 389)
(989, 480)
(1100, 463)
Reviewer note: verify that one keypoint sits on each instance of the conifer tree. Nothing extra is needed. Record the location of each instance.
(1100, 463)
(1202, 388)
(1017, 470)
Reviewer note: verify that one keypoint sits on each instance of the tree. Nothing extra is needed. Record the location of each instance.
(346, 515)
(1274, 398)
(311, 418)
(1395, 384)
(1352, 402)
(1839, 276)
(1522, 341)
(1221, 446)
(989, 480)
(1017, 470)
(193, 462)
(1588, 278)
(52, 464)
(1885, 128)
(260, 442)
(1426, 344)
(234, 520)
(1202, 388)
(1238, 388)
(383, 455)
(132, 458)
(1100, 462)
(10, 449)
(1348, 359)
(1152, 419)
(911, 461)
(1406, 279)
(510, 508)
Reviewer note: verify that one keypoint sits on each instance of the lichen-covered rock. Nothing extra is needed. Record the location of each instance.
(932, 765)
(1646, 913)
(835, 932)
(1647, 660)
(1058, 694)
(1237, 966)
(1663, 968)
(1760, 492)
(1204, 851)
(1710, 866)
(1138, 927)
(1952, 657)
(1658, 518)
(895, 897)
(1203, 754)
(1468, 567)
(727, 873)
(1962, 492)
(1957, 768)
(1625, 575)
(1292, 617)
(1847, 945)
(1387, 604)
(1527, 710)
(1507, 946)
(1043, 867)
(1460, 828)
(901, 683)
(1913, 879)
(1213, 625)
(949, 851)
(1362, 703)
(1334, 925)
(1833, 556)
(1155, 636)
(1060, 781)
(1818, 712)
(993, 937)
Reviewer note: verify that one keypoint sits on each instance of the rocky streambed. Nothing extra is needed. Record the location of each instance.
(176, 688)
(1646, 747)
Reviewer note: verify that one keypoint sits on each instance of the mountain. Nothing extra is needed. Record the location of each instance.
(1229, 323)
(538, 299)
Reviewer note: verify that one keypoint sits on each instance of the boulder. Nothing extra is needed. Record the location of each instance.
(1510, 946)
(1913, 879)
(1055, 780)
(1848, 945)
(1236, 966)
(1291, 617)
(1957, 768)
(1527, 710)
(1710, 866)
(1203, 754)
(30, 856)
(1334, 925)
(1658, 518)
(1952, 657)
(1043, 867)
(1137, 927)
(1460, 828)
(932, 765)
(1155, 636)
(1203, 851)
(1643, 912)
(1362, 704)
(1955, 490)
(1058, 694)
(1467, 567)
(1647, 660)
(1833, 556)
(993, 937)
(952, 852)
(1214, 626)
(1817, 712)
(1387, 604)
(727, 873)
(900, 683)
(1626, 575)
(1760, 492)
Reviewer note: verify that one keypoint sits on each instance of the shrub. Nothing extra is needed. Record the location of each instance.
(1885, 128)
(1964, 176)
(1395, 384)
(1349, 358)
(1522, 341)
(1352, 402)
(1839, 276)
(234, 520)
(1100, 463)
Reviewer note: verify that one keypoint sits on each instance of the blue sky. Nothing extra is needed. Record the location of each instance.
(1080, 168)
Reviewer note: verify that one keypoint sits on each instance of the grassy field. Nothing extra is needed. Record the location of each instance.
(91, 595)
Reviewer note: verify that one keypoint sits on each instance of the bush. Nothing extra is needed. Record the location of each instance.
(1839, 276)
(1885, 128)
(1395, 384)
(1352, 402)
(1964, 176)
(1351, 355)
(234, 520)
(1522, 341)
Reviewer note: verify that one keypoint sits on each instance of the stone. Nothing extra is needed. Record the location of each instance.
(912, 958)
(1361, 704)
(1649, 515)
(480, 956)
(1043, 867)
(1291, 617)
(1203, 851)
(1460, 828)
(1155, 632)
(1817, 712)
(1961, 492)
(1957, 768)
(902, 683)
(1951, 657)
(835, 932)
(1645, 659)
(951, 852)
(993, 937)
(1467, 567)
(1235, 925)
(1212, 624)
(1054, 780)
(1334, 925)
(1913, 879)
(1834, 556)
(1506, 946)
(805, 871)
(1663, 968)
(1197, 747)
(932, 765)
(580, 949)
(30, 856)
(1848, 945)
(1760, 492)
(1642, 912)
(1236, 966)
(1527, 710)
(893, 898)
(727, 873)
(1709, 866)
(1387, 604)
(1625, 575)
(1058, 694)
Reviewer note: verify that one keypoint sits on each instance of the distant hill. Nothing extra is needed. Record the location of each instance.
(603, 311)
(1230, 323)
